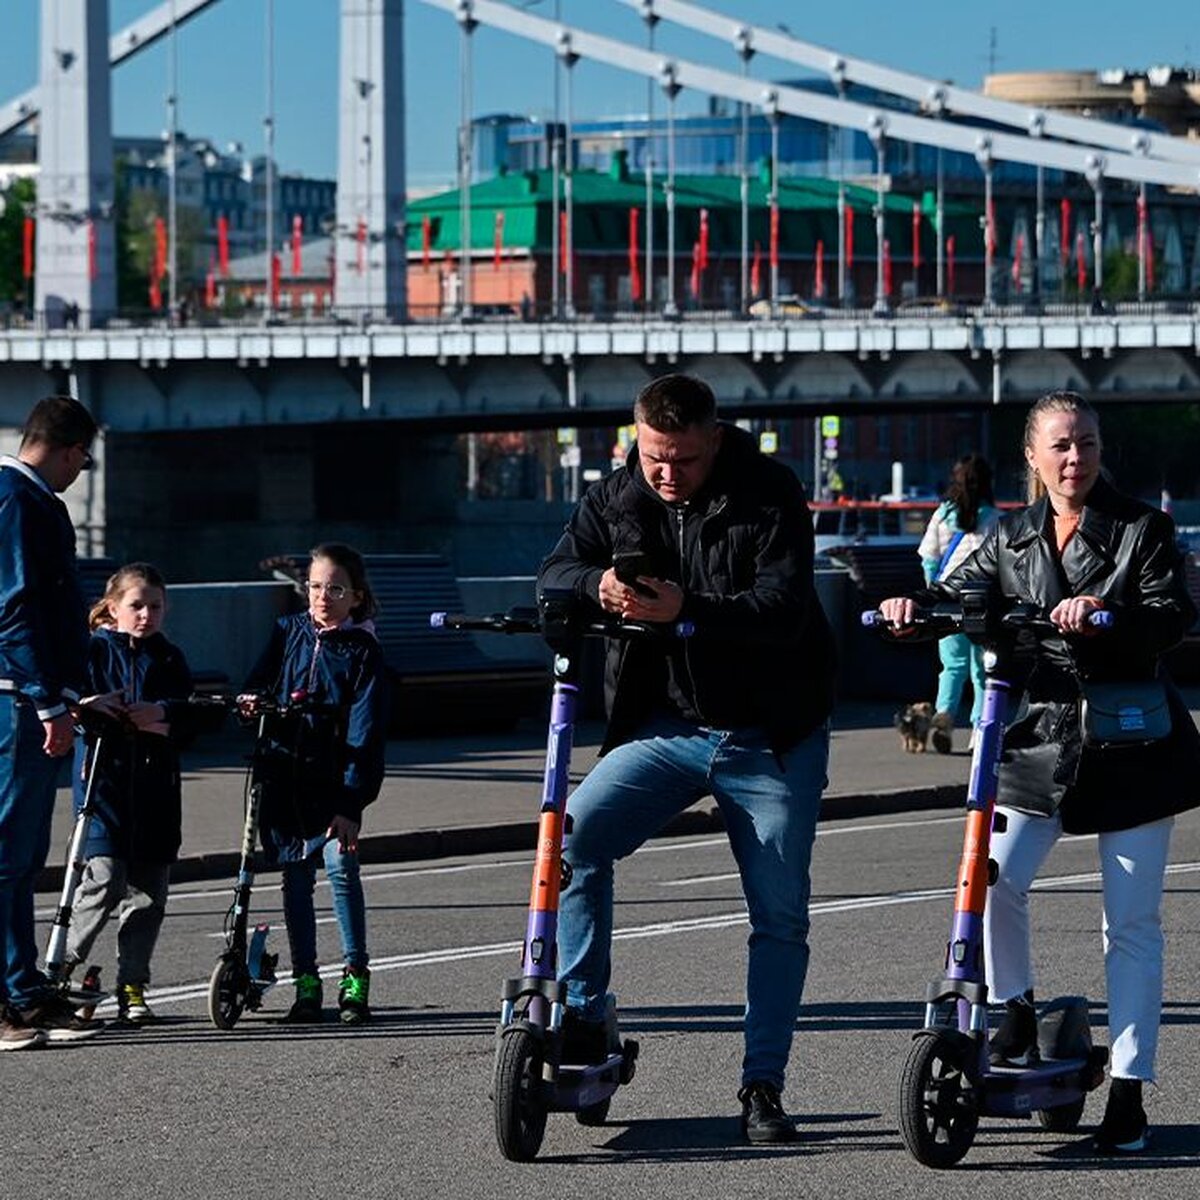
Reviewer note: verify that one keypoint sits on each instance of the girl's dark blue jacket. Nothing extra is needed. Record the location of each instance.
(328, 762)
(138, 791)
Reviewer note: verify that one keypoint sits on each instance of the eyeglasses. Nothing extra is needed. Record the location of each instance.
(335, 591)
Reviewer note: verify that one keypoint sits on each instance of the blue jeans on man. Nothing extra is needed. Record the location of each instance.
(770, 812)
(349, 907)
(28, 778)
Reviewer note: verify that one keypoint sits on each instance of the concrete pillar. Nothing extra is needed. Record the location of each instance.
(370, 235)
(76, 261)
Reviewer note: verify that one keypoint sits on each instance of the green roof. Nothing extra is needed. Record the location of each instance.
(602, 200)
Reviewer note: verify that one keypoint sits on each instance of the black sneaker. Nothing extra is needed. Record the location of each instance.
(354, 996)
(56, 1017)
(1124, 1129)
(306, 1008)
(584, 1043)
(1014, 1044)
(763, 1118)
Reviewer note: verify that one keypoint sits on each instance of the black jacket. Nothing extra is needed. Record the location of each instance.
(1124, 553)
(742, 550)
(138, 791)
(330, 762)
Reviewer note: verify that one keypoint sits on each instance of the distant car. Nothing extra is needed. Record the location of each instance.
(786, 306)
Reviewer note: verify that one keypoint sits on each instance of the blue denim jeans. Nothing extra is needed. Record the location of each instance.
(770, 814)
(960, 658)
(349, 907)
(27, 780)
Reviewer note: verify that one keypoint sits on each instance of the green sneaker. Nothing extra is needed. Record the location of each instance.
(354, 993)
(307, 1007)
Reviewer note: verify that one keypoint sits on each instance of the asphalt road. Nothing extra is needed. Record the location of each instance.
(401, 1108)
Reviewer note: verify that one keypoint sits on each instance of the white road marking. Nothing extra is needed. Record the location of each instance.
(452, 954)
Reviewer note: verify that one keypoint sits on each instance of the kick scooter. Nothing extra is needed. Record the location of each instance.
(101, 729)
(531, 1078)
(245, 972)
(948, 1082)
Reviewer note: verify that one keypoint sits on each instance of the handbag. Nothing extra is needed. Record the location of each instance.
(1123, 714)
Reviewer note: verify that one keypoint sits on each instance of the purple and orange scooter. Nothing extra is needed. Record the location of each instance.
(948, 1082)
(531, 1078)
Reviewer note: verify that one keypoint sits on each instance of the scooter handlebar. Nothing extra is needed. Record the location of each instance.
(948, 618)
(528, 621)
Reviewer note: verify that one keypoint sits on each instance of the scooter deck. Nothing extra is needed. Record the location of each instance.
(580, 1087)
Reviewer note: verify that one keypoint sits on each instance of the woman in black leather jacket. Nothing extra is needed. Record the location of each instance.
(1080, 547)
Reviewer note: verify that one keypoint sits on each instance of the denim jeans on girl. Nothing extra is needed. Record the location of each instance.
(770, 814)
(349, 907)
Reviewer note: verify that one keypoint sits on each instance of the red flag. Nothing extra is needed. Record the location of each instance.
(1064, 231)
(1141, 225)
(1080, 261)
(887, 266)
(27, 248)
(1018, 254)
(635, 274)
(360, 261)
(276, 279)
(223, 244)
(990, 221)
(819, 272)
(1149, 258)
(155, 293)
(950, 243)
(696, 269)
(756, 271)
(93, 269)
(297, 243)
(160, 248)
(774, 230)
(210, 285)
(498, 241)
(704, 239)
(426, 241)
(849, 237)
(916, 239)
(563, 230)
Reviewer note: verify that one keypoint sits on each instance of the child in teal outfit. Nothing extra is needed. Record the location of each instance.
(956, 530)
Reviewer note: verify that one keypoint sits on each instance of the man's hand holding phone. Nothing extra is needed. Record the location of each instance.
(628, 588)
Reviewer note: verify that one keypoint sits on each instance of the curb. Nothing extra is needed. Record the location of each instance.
(420, 844)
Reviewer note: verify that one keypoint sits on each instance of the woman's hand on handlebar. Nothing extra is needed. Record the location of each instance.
(900, 613)
(1072, 615)
(248, 705)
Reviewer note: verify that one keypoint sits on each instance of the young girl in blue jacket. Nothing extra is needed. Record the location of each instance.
(320, 768)
(140, 680)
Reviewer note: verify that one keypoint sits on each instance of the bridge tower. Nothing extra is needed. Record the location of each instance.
(76, 263)
(369, 239)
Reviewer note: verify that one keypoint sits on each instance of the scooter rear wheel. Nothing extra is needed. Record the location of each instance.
(228, 989)
(1064, 1118)
(938, 1110)
(520, 1108)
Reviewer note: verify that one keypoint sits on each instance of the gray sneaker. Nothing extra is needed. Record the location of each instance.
(16, 1035)
(57, 1019)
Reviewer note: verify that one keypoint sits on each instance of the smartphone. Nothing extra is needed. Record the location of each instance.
(628, 565)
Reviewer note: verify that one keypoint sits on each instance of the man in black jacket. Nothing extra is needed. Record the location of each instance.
(721, 536)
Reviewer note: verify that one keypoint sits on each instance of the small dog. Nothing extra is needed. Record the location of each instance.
(914, 722)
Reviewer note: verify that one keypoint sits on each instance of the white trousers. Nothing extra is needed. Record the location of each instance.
(1132, 865)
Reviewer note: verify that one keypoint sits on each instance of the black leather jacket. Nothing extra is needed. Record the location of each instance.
(742, 550)
(1124, 552)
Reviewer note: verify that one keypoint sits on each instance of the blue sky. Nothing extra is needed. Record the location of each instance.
(222, 55)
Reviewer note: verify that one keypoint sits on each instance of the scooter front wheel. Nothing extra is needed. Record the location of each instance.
(939, 1113)
(519, 1103)
(228, 990)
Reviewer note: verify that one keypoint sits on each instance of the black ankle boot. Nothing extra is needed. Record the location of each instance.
(1014, 1044)
(1124, 1129)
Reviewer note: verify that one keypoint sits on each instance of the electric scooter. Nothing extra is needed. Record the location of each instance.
(947, 1082)
(531, 1079)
